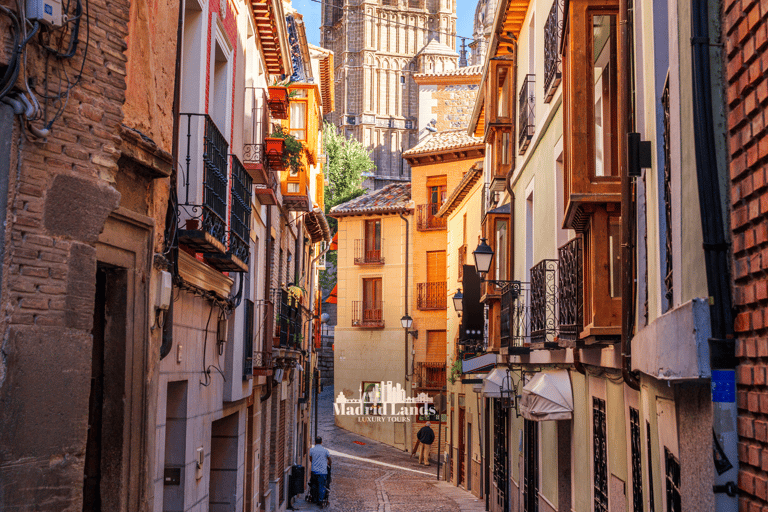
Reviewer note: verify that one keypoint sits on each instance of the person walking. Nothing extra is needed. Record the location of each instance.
(320, 461)
(426, 437)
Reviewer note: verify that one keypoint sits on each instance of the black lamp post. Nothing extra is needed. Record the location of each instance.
(406, 321)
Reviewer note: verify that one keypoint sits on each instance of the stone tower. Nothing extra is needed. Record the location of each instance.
(376, 44)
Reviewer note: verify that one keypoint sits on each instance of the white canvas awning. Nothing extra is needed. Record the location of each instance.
(493, 382)
(548, 396)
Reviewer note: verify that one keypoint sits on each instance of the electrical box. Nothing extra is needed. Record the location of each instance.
(164, 290)
(45, 11)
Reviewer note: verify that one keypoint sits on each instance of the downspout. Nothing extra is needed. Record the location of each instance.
(627, 204)
(405, 353)
(170, 216)
(722, 354)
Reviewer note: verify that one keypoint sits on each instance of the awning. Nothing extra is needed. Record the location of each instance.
(548, 396)
(333, 296)
(493, 383)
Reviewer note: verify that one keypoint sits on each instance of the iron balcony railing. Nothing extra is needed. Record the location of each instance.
(288, 320)
(254, 154)
(570, 287)
(552, 66)
(462, 260)
(248, 335)
(425, 217)
(431, 295)
(544, 302)
(515, 328)
(527, 112)
(429, 375)
(204, 208)
(263, 339)
(240, 212)
(367, 314)
(367, 255)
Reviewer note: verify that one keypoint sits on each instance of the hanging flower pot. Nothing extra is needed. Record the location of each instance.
(278, 102)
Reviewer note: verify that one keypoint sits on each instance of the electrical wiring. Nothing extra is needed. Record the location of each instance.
(376, 17)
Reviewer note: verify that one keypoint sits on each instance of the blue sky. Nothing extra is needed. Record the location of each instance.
(311, 12)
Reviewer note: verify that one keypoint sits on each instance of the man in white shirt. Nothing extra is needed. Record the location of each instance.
(320, 460)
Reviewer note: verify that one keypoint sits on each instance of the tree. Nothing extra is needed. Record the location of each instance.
(348, 165)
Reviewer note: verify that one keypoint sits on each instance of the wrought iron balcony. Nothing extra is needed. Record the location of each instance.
(203, 189)
(262, 362)
(431, 296)
(515, 328)
(527, 112)
(367, 314)
(288, 320)
(553, 27)
(426, 220)
(571, 296)
(429, 375)
(238, 243)
(544, 303)
(366, 255)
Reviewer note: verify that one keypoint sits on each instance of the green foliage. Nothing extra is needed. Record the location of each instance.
(292, 150)
(455, 370)
(348, 165)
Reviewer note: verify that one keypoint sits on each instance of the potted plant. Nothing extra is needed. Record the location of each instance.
(292, 148)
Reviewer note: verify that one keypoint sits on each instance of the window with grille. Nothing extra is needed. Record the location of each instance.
(637, 475)
(531, 467)
(667, 196)
(600, 458)
(651, 506)
(672, 466)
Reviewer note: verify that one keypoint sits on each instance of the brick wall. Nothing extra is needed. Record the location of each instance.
(60, 194)
(746, 37)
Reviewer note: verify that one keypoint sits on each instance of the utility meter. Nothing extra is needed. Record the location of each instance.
(45, 11)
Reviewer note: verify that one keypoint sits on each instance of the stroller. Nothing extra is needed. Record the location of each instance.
(312, 494)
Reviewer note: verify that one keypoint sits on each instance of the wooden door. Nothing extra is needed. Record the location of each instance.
(462, 446)
(372, 299)
(372, 240)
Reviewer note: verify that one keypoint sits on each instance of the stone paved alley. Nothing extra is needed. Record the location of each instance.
(374, 477)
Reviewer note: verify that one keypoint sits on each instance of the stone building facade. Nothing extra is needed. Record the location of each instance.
(147, 358)
(379, 47)
(746, 57)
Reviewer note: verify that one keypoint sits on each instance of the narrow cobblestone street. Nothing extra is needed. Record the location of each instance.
(374, 477)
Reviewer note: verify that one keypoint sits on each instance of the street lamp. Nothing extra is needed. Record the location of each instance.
(506, 392)
(483, 257)
(458, 301)
(407, 322)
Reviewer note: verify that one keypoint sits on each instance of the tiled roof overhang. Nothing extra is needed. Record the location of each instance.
(267, 17)
(317, 226)
(462, 189)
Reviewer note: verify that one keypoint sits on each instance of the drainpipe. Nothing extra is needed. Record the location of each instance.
(627, 205)
(722, 354)
(405, 354)
(170, 216)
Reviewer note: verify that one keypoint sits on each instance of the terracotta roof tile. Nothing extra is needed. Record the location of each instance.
(440, 141)
(390, 199)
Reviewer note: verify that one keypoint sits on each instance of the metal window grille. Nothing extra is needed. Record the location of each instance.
(240, 213)
(650, 466)
(570, 286)
(248, 339)
(552, 66)
(500, 453)
(531, 468)
(672, 466)
(527, 112)
(637, 475)
(600, 456)
(544, 301)
(667, 195)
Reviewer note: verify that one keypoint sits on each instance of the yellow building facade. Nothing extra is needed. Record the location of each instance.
(375, 290)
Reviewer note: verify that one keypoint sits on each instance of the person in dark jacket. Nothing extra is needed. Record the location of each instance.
(426, 437)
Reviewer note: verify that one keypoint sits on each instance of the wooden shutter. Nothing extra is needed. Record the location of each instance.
(436, 267)
(436, 348)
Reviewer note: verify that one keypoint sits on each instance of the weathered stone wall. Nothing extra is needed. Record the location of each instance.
(61, 191)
